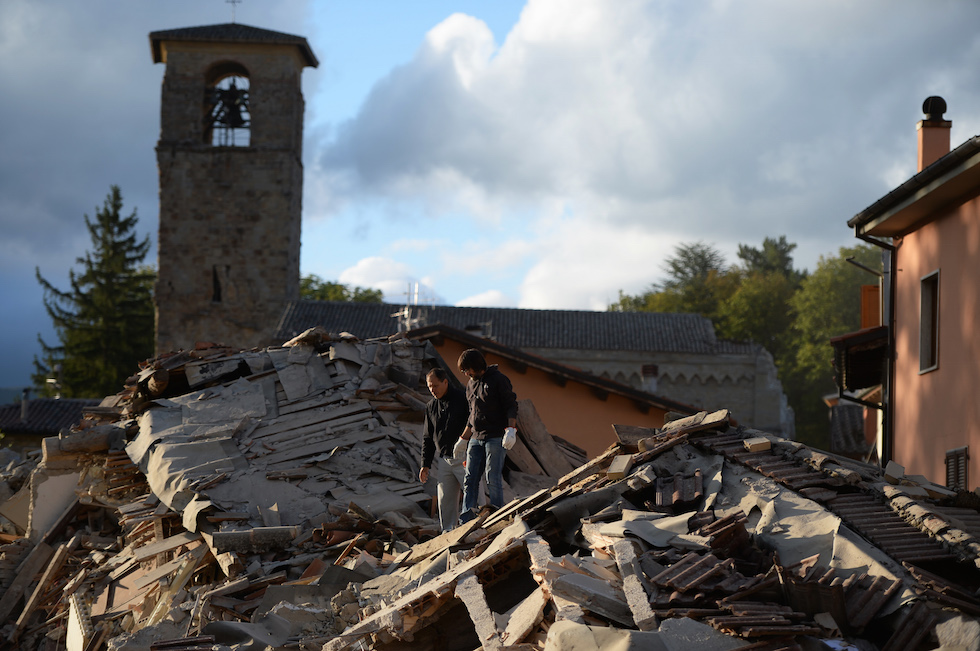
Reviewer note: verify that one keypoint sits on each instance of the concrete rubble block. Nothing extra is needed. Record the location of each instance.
(959, 632)
(634, 585)
(620, 467)
(470, 592)
(523, 618)
(682, 633)
(916, 492)
(595, 595)
(894, 472)
(568, 635)
(757, 444)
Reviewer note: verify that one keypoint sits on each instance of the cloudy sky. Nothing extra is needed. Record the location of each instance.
(537, 154)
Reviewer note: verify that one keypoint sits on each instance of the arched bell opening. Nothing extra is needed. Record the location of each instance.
(227, 120)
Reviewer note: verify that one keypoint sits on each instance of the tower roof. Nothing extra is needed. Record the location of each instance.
(230, 33)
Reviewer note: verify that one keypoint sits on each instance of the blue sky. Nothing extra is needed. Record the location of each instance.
(540, 154)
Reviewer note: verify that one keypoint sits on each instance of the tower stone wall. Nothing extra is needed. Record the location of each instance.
(230, 216)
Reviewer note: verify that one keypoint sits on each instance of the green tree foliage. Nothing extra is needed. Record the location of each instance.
(314, 288)
(691, 265)
(775, 256)
(765, 299)
(758, 308)
(827, 305)
(696, 281)
(104, 322)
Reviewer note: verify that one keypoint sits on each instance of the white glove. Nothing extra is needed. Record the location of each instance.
(510, 438)
(460, 448)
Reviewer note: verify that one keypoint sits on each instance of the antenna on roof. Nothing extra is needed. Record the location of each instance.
(233, 3)
(410, 316)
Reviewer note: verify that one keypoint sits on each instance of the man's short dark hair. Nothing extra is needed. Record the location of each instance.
(438, 373)
(472, 360)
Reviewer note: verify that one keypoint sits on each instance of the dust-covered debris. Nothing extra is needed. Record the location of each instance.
(268, 499)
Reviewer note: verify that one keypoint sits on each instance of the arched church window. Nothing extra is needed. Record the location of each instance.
(227, 120)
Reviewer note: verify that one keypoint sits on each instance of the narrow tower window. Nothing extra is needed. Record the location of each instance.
(215, 285)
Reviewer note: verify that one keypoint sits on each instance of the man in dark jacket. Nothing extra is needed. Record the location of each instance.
(493, 409)
(445, 419)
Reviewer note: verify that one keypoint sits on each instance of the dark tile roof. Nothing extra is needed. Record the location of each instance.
(45, 416)
(520, 328)
(914, 185)
(230, 33)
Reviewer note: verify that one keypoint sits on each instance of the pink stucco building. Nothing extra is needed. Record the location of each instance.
(929, 229)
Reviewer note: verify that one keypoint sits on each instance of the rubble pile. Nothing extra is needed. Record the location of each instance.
(268, 499)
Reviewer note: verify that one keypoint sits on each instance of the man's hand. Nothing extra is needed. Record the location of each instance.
(460, 448)
(423, 475)
(510, 438)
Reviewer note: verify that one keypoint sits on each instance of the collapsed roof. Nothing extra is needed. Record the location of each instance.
(267, 499)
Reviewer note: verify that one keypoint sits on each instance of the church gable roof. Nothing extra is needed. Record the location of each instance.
(230, 33)
(522, 328)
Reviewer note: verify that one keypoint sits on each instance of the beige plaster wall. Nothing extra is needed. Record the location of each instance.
(573, 411)
(747, 385)
(939, 410)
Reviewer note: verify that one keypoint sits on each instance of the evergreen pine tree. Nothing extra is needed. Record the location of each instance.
(104, 322)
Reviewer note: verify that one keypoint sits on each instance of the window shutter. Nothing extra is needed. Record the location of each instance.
(956, 468)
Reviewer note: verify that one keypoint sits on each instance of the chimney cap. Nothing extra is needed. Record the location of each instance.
(934, 107)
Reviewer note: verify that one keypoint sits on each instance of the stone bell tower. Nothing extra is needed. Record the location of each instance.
(231, 182)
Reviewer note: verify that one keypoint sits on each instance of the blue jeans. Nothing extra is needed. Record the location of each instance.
(483, 455)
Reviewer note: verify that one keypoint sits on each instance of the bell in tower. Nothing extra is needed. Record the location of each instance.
(231, 182)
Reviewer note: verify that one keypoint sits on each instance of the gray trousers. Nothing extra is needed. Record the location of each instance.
(449, 482)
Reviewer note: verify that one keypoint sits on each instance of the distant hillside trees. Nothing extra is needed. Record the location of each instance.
(314, 288)
(104, 321)
(763, 298)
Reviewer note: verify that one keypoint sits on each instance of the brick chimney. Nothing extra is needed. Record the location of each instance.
(933, 132)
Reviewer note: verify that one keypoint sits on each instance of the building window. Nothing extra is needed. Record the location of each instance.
(929, 322)
(956, 466)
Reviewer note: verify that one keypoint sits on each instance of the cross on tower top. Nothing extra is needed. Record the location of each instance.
(233, 4)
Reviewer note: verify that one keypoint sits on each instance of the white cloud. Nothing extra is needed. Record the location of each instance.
(396, 280)
(592, 263)
(724, 122)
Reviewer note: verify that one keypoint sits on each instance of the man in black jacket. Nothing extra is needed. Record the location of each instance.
(493, 409)
(446, 416)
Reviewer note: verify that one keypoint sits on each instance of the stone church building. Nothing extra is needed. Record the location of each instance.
(231, 186)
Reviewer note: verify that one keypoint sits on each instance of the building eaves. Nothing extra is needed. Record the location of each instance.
(230, 33)
(597, 384)
(910, 204)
